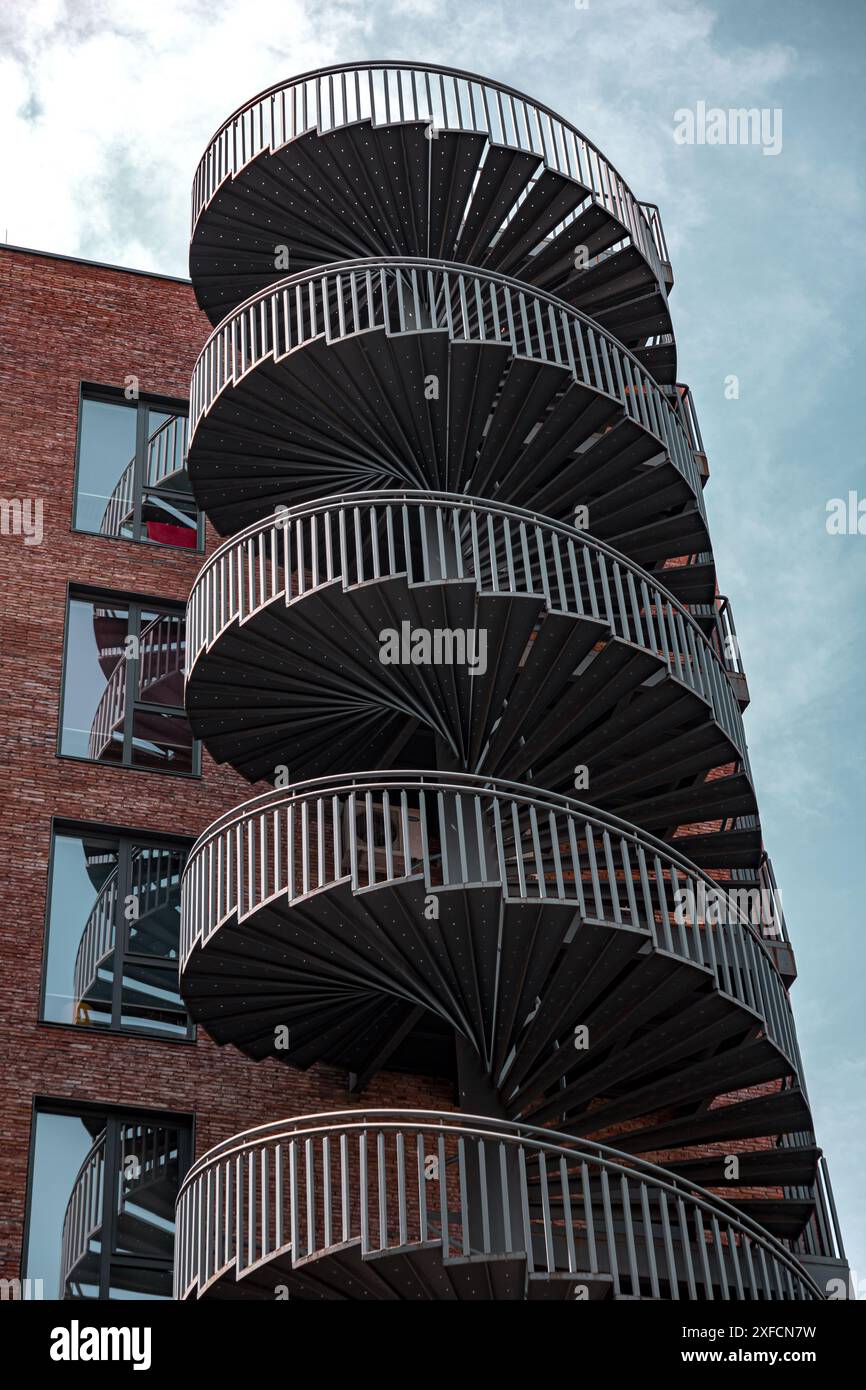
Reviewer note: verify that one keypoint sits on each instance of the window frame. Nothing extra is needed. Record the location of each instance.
(184, 1121)
(114, 395)
(134, 603)
(124, 838)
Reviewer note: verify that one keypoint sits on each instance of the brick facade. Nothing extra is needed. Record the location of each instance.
(68, 322)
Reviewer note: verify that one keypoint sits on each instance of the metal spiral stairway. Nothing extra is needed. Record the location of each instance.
(401, 373)
(343, 1210)
(394, 159)
(586, 660)
(485, 449)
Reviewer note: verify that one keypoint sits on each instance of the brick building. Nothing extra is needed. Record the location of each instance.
(75, 323)
(114, 1082)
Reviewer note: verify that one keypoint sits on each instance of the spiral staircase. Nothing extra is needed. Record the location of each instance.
(468, 574)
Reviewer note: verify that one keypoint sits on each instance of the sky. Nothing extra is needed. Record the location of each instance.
(107, 105)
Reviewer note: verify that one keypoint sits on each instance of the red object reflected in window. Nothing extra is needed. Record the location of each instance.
(166, 534)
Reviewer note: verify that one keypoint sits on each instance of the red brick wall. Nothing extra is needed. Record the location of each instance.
(67, 322)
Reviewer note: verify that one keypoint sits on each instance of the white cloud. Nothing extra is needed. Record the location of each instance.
(102, 96)
(106, 108)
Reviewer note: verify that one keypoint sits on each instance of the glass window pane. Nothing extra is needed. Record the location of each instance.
(154, 914)
(162, 742)
(145, 1190)
(166, 445)
(169, 519)
(102, 1206)
(127, 1282)
(94, 689)
(169, 515)
(162, 655)
(95, 686)
(110, 471)
(166, 448)
(66, 1204)
(106, 461)
(151, 1000)
(81, 931)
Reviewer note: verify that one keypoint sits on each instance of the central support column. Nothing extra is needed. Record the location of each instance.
(475, 1088)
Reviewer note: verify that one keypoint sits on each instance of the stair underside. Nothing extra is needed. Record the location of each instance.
(357, 415)
(349, 975)
(303, 686)
(370, 190)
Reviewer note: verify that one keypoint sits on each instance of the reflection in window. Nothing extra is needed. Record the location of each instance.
(102, 1196)
(113, 931)
(131, 478)
(123, 686)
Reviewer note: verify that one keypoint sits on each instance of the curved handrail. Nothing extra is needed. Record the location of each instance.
(83, 1215)
(316, 100)
(684, 404)
(110, 711)
(354, 537)
(414, 294)
(297, 841)
(97, 939)
(615, 1206)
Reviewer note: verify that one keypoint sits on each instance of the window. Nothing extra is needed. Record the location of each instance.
(123, 684)
(131, 478)
(102, 1193)
(111, 958)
